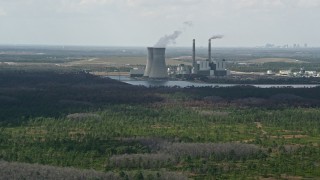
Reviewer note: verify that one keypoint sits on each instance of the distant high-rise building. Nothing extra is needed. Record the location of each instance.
(305, 45)
(269, 45)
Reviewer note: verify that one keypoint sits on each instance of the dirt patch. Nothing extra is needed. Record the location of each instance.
(294, 136)
(260, 126)
(283, 176)
(77, 132)
(213, 113)
(33, 131)
(158, 126)
(245, 141)
(289, 131)
(290, 136)
(268, 60)
(121, 61)
(84, 116)
(291, 177)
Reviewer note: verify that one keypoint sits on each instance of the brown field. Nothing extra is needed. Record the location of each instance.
(119, 61)
(267, 60)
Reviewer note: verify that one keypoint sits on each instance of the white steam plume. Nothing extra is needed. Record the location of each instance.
(171, 38)
(168, 39)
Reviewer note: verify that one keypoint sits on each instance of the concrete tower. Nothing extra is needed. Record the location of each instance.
(156, 65)
(149, 62)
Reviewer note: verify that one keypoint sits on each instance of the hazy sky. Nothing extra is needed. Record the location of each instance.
(143, 22)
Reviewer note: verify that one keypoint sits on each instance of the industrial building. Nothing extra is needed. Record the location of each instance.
(182, 69)
(156, 65)
(290, 73)
(208, 67)
(137, 72)
(285, 72)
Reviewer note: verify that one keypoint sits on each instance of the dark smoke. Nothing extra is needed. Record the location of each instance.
(188, 23)
(216, 37)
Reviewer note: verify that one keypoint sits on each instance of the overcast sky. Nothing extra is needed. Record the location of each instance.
(143, 22)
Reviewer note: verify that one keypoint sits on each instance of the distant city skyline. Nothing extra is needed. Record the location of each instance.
(244, 23)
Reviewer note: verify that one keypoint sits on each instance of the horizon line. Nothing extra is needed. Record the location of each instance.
(133, 46)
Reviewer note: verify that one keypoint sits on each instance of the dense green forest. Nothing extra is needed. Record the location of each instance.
(78, 126)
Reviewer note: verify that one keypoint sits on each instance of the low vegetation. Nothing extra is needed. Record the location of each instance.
(78, 126)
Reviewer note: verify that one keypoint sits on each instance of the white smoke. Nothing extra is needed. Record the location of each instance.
(171, 38)
(168, 39)
(216, 37)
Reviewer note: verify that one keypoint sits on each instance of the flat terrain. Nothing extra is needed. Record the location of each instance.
(117, 61)
(58, 121)
(273, 60)
(73, 121)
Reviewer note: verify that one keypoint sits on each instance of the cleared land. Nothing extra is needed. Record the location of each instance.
(269, 60)
(118, 61)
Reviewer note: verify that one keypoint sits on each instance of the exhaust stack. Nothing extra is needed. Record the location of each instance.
(194, 53)
(209, 51)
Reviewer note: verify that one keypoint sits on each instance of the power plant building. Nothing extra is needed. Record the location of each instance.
(156, 65)
(209, 67)
(182, 69)
(137, 72)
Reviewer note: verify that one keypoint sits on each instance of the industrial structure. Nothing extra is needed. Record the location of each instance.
(208, 67)
(181, 69)
(137, 72)
(156, 65)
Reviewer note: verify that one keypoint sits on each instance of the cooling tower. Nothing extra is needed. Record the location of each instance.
(149, 62)
(156, 65)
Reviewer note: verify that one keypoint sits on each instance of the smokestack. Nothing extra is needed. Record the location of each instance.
(209, 48)
(194, 53)
(209, 51)
(156, 65)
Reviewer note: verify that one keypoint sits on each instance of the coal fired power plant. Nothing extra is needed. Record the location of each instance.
(156, 65)
(209, 67)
